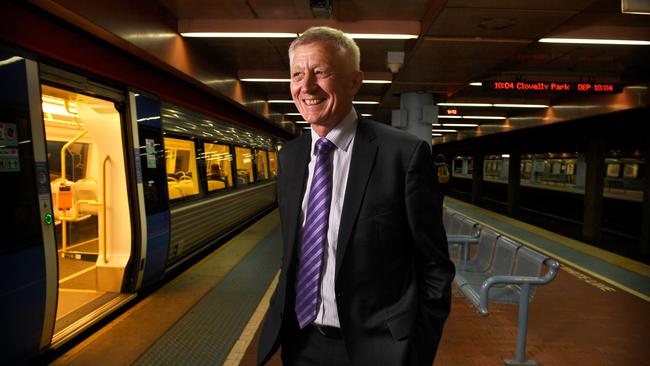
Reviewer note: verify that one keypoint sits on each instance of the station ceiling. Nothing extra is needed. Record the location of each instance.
(457, 42)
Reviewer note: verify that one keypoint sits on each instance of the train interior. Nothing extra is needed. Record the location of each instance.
(89, 197)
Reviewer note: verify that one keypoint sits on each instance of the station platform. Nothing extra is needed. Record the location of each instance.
(596, 312)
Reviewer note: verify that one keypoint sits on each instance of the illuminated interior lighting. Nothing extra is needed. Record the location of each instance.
(483, 117)
(448, 116)
(377, 81)
(366, 114)
(266, 80)
(306, 128)
(505, 155)
(10, 60)
(625, 42)
(59, 106)
(364, 102)
(302, 122)
(443, 131)
(521, 105)
(436, 134)
(460, 125)
(292, 114)
(381, 36)
(238, 35)
(476, 83)
(280, 101)
(436, 124)
(465, 104)
(636, 87)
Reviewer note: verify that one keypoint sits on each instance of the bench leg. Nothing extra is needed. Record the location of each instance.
(521, 332)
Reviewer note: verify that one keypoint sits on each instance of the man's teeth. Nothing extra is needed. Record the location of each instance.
(312, 101)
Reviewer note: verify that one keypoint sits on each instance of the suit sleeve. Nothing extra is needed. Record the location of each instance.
(433, 268)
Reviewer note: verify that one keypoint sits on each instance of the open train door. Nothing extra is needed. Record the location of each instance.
(27, 257)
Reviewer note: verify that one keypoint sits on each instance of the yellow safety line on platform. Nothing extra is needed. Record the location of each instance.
(77, 274)
(614, 259)
(239, 349)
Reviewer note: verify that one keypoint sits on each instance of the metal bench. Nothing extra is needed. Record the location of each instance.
(513, 270)
(461, 233)
(482, 259)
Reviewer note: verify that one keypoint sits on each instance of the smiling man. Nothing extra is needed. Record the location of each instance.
(365, 276)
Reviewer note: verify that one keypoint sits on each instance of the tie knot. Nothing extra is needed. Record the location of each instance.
(323, 146)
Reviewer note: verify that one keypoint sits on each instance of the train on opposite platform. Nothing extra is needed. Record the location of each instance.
(115, 174)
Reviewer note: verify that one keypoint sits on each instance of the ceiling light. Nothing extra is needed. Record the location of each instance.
(266, 80)
(292, 114)
(465, 104)
(302, 122)
(476, 83)
(460, 125)
(521, 105)
(278, 101)
(364, 102)
(483, 117)
(435, 130)
(381, 36)
(238, 35)
(436, 134)
(436, 124)
(505, 155)
(377, 81)
(366, 114)
(627, 42)
(448, 116)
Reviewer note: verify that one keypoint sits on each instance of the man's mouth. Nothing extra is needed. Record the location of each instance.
(313, 101)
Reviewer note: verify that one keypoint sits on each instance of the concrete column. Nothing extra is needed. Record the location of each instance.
(593, 202)
(421, 113)
(645, 225)
(477, 179)
(514, 182)
(581, 168)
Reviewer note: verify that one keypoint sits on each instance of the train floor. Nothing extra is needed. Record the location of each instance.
(595, 312)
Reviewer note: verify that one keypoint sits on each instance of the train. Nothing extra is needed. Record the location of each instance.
(110, 187)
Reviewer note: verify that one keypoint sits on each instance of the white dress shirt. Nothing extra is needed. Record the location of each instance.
(343, 137)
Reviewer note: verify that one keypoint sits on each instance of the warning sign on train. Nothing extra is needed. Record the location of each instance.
(8, 135)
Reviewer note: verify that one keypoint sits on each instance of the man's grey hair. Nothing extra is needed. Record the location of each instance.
(332, 36)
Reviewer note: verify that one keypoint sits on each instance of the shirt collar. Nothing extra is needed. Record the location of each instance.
(341, 135)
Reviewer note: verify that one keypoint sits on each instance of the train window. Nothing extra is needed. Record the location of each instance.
(76, 159)
(613, 170)
(180, 157)
(631, 170)
(218, 163)
(261, 164)
(273, 163)
(244, 158)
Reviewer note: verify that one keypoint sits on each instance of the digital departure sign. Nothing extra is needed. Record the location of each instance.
(553, 87)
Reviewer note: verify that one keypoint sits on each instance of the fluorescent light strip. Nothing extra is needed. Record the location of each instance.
(624, 42)
(476, 83)
(364, 102)
(377, 81)
(436, 124)
(436, 134)
(520, 105)
(436, 130)
(381, 36)
(483, 117)
(302, 122)
(449, 116)
(238, 35)
(292, 114)
(366, 114)
(460, 125)
(465, 104)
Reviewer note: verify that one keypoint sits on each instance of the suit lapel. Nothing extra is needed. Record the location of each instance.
(296, 181)
(363, 160)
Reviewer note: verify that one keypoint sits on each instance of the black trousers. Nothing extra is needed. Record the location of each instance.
(308, 347)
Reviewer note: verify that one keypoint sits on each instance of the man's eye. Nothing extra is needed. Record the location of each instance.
(297, 75)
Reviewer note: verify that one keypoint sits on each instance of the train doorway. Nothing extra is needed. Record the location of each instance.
(85, 153)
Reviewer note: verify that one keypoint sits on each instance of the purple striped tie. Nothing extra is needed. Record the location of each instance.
(314, 235)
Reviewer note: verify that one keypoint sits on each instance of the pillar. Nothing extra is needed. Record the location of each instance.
(477, 179)
(514, 182)
(593, 199)
(416, 114)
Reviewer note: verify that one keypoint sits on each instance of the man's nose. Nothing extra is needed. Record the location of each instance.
(308, 82)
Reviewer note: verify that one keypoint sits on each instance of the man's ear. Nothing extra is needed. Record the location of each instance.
(357, 81)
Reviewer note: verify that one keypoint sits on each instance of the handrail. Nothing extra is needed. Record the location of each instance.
(65, 147)
(106, 159)
(515, 280)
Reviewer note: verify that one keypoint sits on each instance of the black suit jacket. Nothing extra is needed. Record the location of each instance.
(393, 271)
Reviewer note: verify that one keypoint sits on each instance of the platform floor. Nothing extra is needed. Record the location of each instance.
(210, 314)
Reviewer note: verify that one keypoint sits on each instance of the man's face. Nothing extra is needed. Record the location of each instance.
(323, 84)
